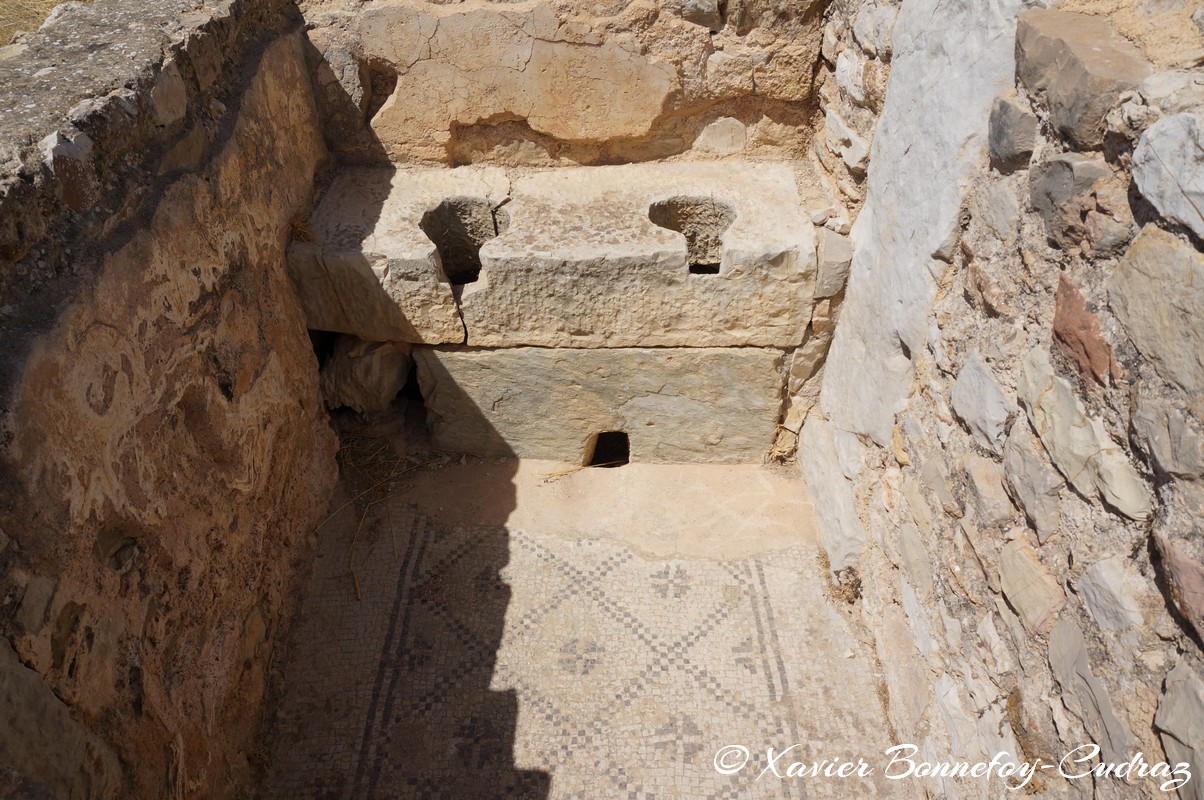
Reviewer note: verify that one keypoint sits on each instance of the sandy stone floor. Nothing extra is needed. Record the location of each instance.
(601, 634)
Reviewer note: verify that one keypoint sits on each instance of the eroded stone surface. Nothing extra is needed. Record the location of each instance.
(1180, 719)
(582, 265)
(1157, 292)
(1029, 587)
(364, 376)
(694, 405)
(368, 268)
(1107, 590)
(979, 403)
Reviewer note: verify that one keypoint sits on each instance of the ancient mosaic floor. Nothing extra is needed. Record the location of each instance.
(484, 662)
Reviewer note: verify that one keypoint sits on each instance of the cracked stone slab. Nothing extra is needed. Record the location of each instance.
(364, 266)
(583, 265)
(689, 405)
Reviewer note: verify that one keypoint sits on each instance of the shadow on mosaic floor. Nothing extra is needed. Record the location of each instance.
(385, 692)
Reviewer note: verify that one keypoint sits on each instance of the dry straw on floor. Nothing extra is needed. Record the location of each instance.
(22, 15)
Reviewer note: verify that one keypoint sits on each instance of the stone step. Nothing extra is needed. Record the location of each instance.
(714, 254)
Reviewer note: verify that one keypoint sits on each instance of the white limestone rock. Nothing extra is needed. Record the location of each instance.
(1033, 483)
(687, 405)
(873, 27)
(835, 254)
(1157, 292)
(844, 142)
(850, 76)
(978, 402)
(1168, 168)
(949, 61)
(1107, 591)
(1180, 720)
(723, 137)
(1029, 587)
(840, 530)
(1079, 446)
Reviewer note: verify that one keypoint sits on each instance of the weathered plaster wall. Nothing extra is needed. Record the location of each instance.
(165, 453)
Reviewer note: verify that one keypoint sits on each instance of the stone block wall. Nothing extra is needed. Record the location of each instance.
(1009, 404)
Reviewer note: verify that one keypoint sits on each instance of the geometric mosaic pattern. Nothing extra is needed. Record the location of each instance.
(482, 663)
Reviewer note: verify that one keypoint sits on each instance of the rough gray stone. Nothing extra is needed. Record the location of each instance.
(702, 12)
(835, 253)
(1171, 438)
(42, 740)
(850, 77)
(841, 533)
(1080, 64)
(1029, 587)
(365, 376)
(1012, 133)
(1157, 292)
(1079, 446)
(949, 60)
(1106, 590)
(688, 405)
(1083, 694)
(978, 402)
(1168, 167)
(1060, 182)
(1033, 483)
(1180, 720)
(31, 615)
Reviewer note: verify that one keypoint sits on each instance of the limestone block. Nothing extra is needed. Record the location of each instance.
(1172, 438)
(850, 77)
(835, 253)
(841, 533)
(365, 376)
(1012, 133)
(1077, 331)
(1180, 720)
(1028, 586)
(593, 257)
(978, 402)
(986, 485)
(844, 142)
(1033, 483)
(1157, 292)
(1081, 65)
(42, 741)
(31, 614)
(1083, 694)
(873, 27)
(1079, 446)
(70, 159)
(366, 267)
(690, 405)
(949, 60)
(461, 64)
(1106, 588)
(724, 136)
(169, 96)
(1168, 167)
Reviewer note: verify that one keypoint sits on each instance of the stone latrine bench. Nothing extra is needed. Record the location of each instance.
(656, 300)
(567, 258)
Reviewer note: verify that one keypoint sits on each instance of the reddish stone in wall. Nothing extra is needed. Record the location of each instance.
(1077, 332)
